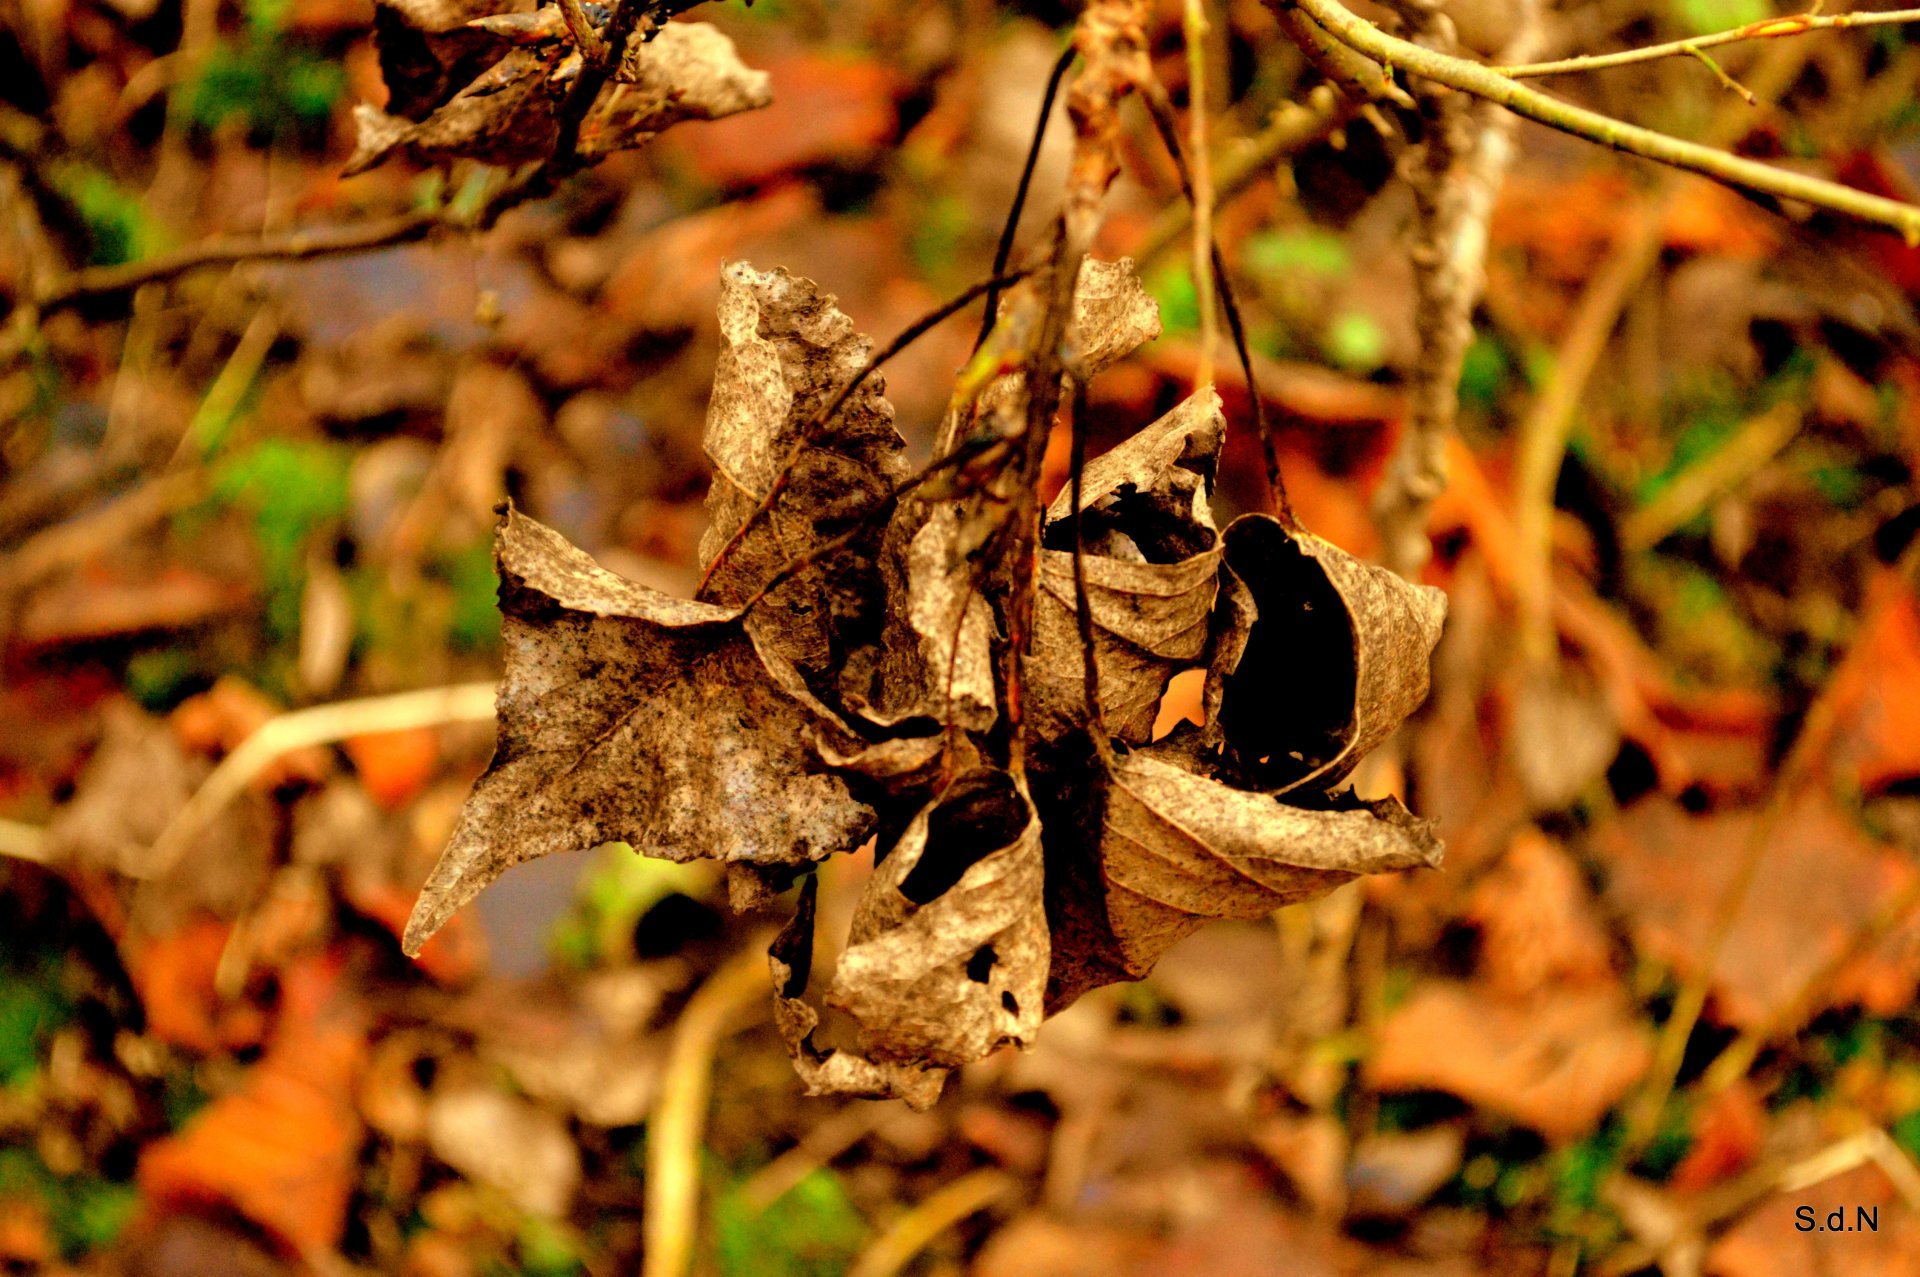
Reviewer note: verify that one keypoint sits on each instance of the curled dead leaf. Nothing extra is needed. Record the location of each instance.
(829, 1070)
(1151, 556)
(1334, 660)
(947, 957)
(629, 716)
(1178, 849)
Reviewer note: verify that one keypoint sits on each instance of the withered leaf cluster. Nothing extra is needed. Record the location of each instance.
(491, 80)
(845, 676)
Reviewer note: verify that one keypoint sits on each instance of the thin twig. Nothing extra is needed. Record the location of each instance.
(1293, 128)
(1003, 253)
(1195, 30)
(318, 725)
(1727, 82)
(1022, 529)
(1161, 112)
(1082, 601)
(1790, 779)
(679, 1117)
(21, 841)
(1766, 29)
(807, 434)
(911, 1233)
(230, 250)
(1486, 82)
(1733, 1063)
(1549, 421)
(1755, 442)
(592, 46)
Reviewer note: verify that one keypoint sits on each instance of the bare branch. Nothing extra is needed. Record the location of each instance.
(230, 250)
(1767, 29)
(1486, 82)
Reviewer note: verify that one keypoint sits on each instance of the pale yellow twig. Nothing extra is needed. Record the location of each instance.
(679, 1116)
(1753, 444)
(21, 841)
(911, 1233)
(1200, 153)
(319, 725)
(1482, 81)
(1766, 29)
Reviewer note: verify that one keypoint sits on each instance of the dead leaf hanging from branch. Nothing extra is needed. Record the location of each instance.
(1334, 659)
(629, 716)
(1152, 561)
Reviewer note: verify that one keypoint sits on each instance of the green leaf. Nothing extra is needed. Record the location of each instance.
(1172, 287)
(291, 489)
(32, 1009)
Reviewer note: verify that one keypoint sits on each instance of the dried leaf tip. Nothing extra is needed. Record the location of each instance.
(630, 716)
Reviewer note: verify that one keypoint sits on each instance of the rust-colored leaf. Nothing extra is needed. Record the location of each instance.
(1556, 1063)
(283, 1149)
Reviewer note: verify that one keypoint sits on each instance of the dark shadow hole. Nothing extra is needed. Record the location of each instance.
(979, 815)
(1011, 1003)
(980, 965)
(1288, 709)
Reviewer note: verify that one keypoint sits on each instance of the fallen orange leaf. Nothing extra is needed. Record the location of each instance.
(283, 1149)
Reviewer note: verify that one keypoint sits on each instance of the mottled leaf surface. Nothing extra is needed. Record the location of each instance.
(947, 956)
(1178, 848)
(629, 716)
(786, 350)
(509, 111)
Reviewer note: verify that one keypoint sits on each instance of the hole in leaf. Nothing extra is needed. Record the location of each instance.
(1288, 709)
(978, 816)
(981, 963)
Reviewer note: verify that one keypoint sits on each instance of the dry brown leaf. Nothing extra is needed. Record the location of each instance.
(507, 1143)
(1877, 696)
(1113, 315)
(1151, 556)
(629, 716)
(1555, 1063)
(510, 112)
(947, 957)
(1179, 849)
(1771, 1242)
(832, 1070)
(427, 50)
(786, 350)
(1335, 659)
